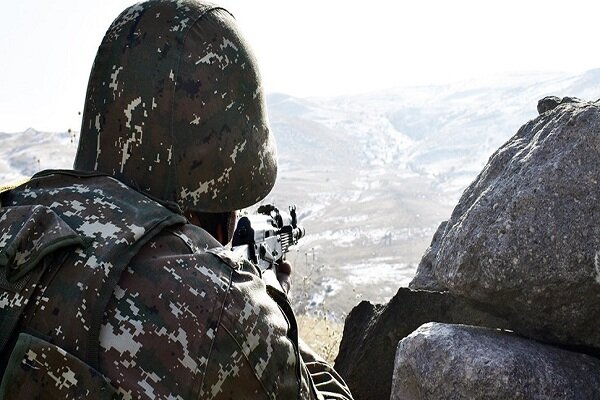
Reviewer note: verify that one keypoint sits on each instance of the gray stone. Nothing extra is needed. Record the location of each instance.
(525, 235)
(551, 102)
(372, 332)
(440, 361)
(570, 99)
(547, 103)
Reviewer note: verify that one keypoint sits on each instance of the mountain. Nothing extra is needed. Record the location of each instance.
(372, 175)
(24, 153)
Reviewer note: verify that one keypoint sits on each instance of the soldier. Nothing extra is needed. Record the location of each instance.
(111, 292)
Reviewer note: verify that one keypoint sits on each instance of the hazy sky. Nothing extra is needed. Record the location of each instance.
(304, 48)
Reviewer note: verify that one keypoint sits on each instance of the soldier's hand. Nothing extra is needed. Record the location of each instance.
(284, 276)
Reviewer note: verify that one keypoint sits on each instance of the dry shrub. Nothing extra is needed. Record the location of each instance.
(322, 334)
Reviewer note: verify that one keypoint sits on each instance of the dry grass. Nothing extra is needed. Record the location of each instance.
(322, 334)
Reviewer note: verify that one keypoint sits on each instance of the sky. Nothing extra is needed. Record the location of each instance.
(304, 48)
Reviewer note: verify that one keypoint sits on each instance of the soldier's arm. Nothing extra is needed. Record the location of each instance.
(328, 383)
(184, 323)
(258, 331)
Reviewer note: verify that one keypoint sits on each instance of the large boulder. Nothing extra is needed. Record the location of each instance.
(372, 332)
(525, 235)
(441, 361)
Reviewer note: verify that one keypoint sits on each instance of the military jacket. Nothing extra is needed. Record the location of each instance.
(105, 293)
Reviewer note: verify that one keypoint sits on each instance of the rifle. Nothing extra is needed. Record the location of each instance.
(265, 238)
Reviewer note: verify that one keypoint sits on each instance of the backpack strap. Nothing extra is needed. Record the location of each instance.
(28, 235)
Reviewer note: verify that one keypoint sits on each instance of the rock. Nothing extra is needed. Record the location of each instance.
(551, 102)
(547, 103)
(372, 332)
(569, 99)
(525, 235)
(440, 361)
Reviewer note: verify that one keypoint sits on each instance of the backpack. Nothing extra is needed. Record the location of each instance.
(65, 239)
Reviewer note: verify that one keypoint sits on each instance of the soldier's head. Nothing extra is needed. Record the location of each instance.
(175, 108)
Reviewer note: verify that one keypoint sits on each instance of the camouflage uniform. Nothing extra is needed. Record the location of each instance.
(185, 320)
(108, 292)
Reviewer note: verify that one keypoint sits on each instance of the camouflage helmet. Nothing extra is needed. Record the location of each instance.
(175, 108)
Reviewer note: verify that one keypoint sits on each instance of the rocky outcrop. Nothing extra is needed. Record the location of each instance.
(551, 102)
(525, 236)
(547, 103)
(372, 332)
(522, 247)
(440, 361)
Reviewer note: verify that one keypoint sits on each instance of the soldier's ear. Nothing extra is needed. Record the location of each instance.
(219, 225)
(231, 221)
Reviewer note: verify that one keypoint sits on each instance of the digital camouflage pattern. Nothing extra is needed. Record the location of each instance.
(175, 108)
(186, 324)
(41, 370)
(89, 231)
(186, 319)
